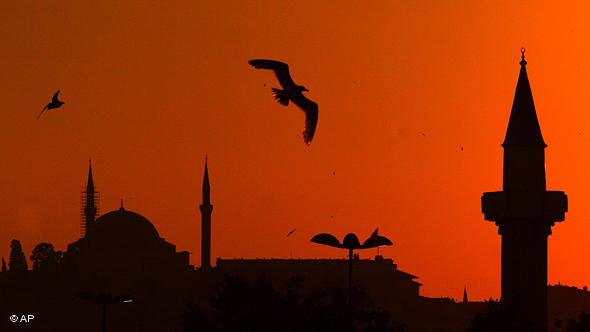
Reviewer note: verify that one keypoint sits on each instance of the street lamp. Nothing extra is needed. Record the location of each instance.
(351, 242)
(104, 299)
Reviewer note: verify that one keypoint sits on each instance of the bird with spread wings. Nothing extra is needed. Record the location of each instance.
(55, 103)
(291, 92)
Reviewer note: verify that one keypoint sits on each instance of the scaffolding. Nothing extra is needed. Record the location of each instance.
(86, 198)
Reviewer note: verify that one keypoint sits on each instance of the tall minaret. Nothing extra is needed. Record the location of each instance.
(524, 211)
(206, 209)
(89, 205)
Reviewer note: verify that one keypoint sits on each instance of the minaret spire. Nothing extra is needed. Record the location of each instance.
(524, 145)
(89, 204)
(206, 209)
(90, 185)
(465, 299)
(206, 186)
(523, 126)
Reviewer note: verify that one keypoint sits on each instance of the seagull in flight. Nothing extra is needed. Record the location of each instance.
(55, 103)
(291, 92)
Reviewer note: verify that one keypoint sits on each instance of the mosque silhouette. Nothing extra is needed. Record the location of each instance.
(120, 243)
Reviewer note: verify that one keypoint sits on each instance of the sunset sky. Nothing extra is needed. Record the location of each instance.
(152, 87)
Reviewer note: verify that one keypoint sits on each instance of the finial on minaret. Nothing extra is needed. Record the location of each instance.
(122, 205)
(523, 61)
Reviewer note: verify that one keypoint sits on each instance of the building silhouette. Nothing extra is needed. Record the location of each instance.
(120, 247)
(380, 278)
(524, 211)
(206, 209)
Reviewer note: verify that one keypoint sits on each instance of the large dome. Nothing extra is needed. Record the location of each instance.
(125, 247)
(125, 226)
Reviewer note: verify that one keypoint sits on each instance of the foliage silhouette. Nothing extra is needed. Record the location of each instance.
(3, 265)
(498, 317)
(239, 305)
(582, 324)
(45, 258)
(17, 261)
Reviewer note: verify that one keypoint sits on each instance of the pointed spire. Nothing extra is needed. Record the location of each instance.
(206, 187)
(206, 209)
(121, 209)
(523, 126)
(465, 299)
(90, 185)
(89, 203)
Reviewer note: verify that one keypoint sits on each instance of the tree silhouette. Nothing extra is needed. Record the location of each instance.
(45, 258)
(499, 317)
(17, 261)
(582, 324)
(239, 305)
(3, 265)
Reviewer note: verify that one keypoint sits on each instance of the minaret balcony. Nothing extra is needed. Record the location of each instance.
(544, 206)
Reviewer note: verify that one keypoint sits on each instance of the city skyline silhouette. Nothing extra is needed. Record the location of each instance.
(403, 87)
(121, 253)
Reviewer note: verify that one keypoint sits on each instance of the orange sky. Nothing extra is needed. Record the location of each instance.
(150, 89)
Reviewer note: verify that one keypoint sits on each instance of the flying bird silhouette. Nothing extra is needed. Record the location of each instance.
(55, 103)
(291, 232)
(291, 92)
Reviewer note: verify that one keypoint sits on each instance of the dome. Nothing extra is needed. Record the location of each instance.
(125, 226)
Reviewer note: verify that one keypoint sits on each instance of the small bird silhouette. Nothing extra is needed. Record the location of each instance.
(461, 148)
(291, 92)
(291, 232)
(55, 103)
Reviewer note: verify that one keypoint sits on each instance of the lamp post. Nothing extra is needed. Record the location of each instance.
(104, 299)
(351, 242)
